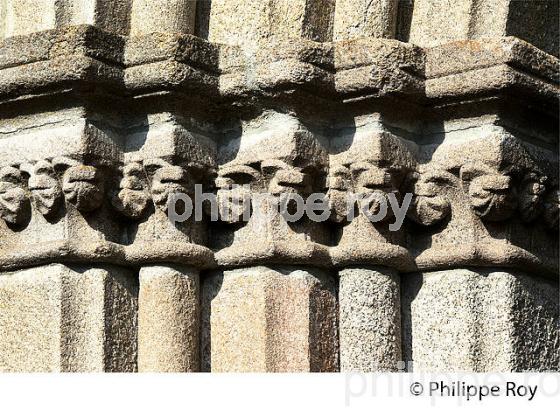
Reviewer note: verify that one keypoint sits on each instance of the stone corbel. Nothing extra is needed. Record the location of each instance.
(485, 211)
(279, 157)
(14, 199)
(376, 163)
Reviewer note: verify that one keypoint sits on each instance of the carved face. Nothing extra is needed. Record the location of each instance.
(428, 205)
(13, 199)
(234, 192)
(373, 183)
(236, 183)
(284, 178)
(83, 188)
(132, 198)
(376, 183)
(491, 193)
(169, 180)
(531, 194)
(46, 192)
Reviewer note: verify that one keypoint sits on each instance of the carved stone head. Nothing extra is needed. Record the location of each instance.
(368, 170)
(131, 199)
(46, 192)
(281, 159)
(429, 205)
(492, 194)
(166, 180)
(14, 203)
(83, 187)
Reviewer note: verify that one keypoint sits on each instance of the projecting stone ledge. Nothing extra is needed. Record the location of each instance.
(84, 56)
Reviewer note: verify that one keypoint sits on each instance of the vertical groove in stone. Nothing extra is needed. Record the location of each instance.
(287, 326)
(168, 16)
(83, 328)
(121, 322)
(370, 320)
(99, 320)
(276, 320)
(365, 18)
(324, 324)
(480, 320)
(168, 319)
(70, 320)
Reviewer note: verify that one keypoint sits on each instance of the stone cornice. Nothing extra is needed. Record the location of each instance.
(338, 71)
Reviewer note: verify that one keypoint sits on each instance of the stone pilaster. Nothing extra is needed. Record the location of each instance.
(68, 319)
(370, 320)
(169, 319)
(274, 155)
(355, 19)
(369, 160)
(480, 320)
(435, 22)
(108, 107)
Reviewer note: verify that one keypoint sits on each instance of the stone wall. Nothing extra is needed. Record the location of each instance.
(108, 106)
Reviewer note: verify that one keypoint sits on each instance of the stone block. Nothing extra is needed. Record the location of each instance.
(260, 319)
(56, 318)
(168, 319)
(370, 320)
(480, 320)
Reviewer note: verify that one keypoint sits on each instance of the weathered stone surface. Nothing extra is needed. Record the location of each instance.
(246, 22)
(24, 16)
(480, 320)
(275, 154)
(361, 18)
(270, 320)
(440, 21)
(71, 319)
(108, 107)
(370, 320)
(169, 16)
(168, 319)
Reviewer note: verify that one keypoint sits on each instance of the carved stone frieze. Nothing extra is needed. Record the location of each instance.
(274, 156)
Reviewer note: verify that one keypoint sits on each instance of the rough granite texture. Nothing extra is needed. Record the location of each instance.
(109, 106)
(59, 318)
(480, 320)
(370, 320)
(269, 320)
(168, 319)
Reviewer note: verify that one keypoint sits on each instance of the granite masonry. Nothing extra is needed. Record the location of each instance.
(107, 107)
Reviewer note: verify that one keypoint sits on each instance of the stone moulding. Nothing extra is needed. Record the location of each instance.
(492, 201)
(346, 69)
